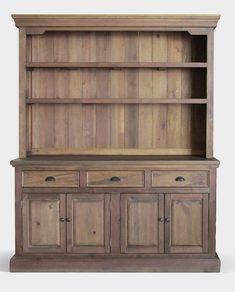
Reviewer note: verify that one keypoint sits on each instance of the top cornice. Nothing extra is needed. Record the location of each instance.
(115, 20)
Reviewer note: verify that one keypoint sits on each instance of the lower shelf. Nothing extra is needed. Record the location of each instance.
(78, 264)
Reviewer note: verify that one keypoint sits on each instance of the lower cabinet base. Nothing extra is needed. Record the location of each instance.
(79, 264)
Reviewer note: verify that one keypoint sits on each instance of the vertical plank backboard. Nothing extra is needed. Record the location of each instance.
(103, 91)
(131, 86)
(145, 91)
(174, 50)
(89, 91)
(117, 79)
(159, 90)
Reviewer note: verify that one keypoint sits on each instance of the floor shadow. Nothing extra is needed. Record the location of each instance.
(4, 260)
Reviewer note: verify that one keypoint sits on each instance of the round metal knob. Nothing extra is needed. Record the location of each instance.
(62, 220)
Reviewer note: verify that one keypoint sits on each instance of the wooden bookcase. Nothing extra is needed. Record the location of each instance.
(116, 169)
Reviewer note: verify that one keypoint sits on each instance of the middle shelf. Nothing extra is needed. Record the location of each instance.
(156, 65)
(116, 100)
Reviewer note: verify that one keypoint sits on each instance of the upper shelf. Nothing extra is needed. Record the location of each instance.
(116, 65)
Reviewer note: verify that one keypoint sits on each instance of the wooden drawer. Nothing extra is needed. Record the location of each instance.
(45, 178)
(177, 178)
(115, 178)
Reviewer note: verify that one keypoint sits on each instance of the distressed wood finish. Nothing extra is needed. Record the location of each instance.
(116, 170)
(52, 178)
(42, 229)
(187, 223)
(142, 223)
(88, 228)
(115, 178)
(180, 178)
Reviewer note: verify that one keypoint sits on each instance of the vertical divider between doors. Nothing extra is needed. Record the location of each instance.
(161, 227)
(167, 226)
(115, 223)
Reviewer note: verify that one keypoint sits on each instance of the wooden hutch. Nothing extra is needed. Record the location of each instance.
(116, 169)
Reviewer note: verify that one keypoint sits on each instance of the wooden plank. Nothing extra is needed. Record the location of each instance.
(160, 91)
(187, 225)
(22, 94)
(43, 85)
(34, 178)
(124, 178)
(212, 213)
(114, 264)
(29, 94)
(115, 223)
(42, 229)
(117, 90)
(117, 151)
(131, 113)
(75, 87)
(18, 212)
(187, 91)
(88, 228)
(140, 224)
(103, 90)
(130, 64)
(145, 91)
(209, 94)
(120, 21)
(174, 86)
(113, 100)
(43, 135)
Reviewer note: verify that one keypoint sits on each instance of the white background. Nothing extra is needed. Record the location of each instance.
(224, 145)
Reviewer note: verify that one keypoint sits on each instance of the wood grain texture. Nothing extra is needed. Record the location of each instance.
(187, 228)
(89, 228)
(42, 229)
(52, 178)
(22, 94)
(141, 230)
(100, 123)
(115, 178)
(116, 121)
(122, 22)
(180, 178)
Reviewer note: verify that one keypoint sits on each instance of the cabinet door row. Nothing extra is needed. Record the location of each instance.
(83, 223)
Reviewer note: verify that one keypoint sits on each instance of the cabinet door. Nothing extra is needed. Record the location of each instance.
(43, 225)
(142, 226)
(88, 229)
(186, 228)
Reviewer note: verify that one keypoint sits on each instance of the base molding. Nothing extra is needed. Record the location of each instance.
(76, 264)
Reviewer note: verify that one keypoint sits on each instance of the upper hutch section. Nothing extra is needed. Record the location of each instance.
(121, 84)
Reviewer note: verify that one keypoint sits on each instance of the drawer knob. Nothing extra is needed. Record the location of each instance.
(167, 220)
(161, 219)
(115, 178)
(62, 220)
(50, 178)
(68, 219)
(179, 178)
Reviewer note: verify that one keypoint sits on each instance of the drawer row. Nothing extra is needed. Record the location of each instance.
(118, 178)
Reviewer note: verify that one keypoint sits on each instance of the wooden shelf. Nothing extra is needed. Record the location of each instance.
(115, 65)
(116, 100)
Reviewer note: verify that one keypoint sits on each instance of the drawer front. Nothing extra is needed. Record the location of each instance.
(41, 178)
(177, 178)
(115, 178)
